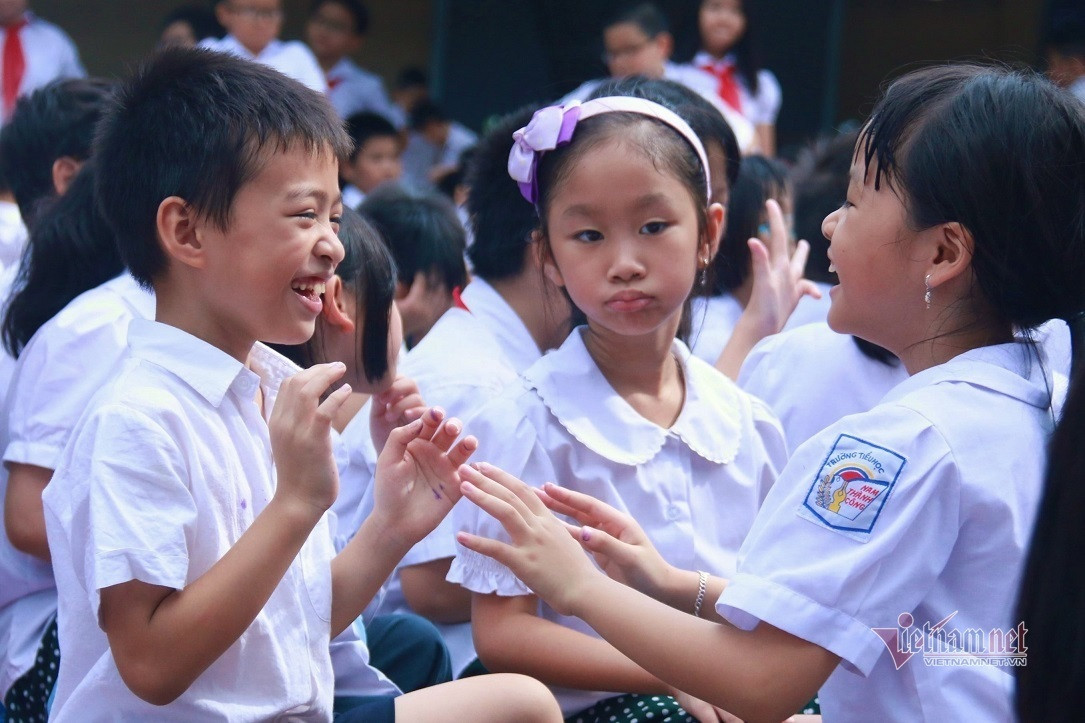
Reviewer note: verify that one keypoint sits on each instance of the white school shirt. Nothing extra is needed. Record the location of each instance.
(291, 58)
(694, 488)
(464, 361)
(812, 377)
(352, 89)
(760, 109)
(49, 55)
(13, 236)
(939, 486)
(58, 372)
(168, 468)
(714, 320)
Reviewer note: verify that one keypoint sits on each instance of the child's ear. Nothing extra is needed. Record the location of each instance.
(544, 259)
(65, 169)
(717, 217)
(334, 311)
(951, 253)
(179, 231)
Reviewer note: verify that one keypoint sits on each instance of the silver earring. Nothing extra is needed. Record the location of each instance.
(704, 272)
(927, 293)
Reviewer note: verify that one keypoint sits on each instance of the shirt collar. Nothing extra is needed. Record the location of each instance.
(211, 372)
(702, 59)
(1013, 369)
(342, 70)
(574, 390)
(233, 45)
(502, 321)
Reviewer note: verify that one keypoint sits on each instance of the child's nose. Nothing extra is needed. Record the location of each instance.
(330, 247)
(626, 264)
(828, 226)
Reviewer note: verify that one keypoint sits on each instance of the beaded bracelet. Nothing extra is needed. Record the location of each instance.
(702, 588)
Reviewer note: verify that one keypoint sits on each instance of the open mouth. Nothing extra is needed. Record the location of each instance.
(310, 291)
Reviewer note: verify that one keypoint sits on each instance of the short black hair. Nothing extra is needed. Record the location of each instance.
(411, 77)
(201, 19)
(703, 117)
(760, 179)
(71, 249)
(199, 125)
(358, 12)
(52, 122)
(500, 219)
(1015, 179)
(427, 112)
(365, 125)
(646, 16)
(819, 187)
(368, 271)
(422, 231)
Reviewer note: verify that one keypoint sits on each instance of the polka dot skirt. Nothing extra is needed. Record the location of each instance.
(26, 699)
(634, 709)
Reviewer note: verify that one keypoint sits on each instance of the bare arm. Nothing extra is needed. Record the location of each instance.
(24, 517)
(430, 595)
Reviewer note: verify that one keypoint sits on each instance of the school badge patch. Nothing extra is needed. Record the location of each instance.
(852, 486)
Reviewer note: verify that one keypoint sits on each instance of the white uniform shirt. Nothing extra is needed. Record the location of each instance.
(291, 58)
(48, 52)
(695, 488)
(65, 364)
(13, 236)
(923, 505)
(760, 109)
(353, 90)
(714, 320)
(812, 377)
(464, 361)
(168, 468)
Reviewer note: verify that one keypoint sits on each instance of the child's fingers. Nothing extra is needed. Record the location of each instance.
(503, 508)
(585, 508)
(463, 450)
(518, 487)
(497, 489)
(499, 551)
(315, 380)
(809, 288)
(799, 258)
(431, 421)
(328, 408)
(400, 437)
(446, 435)
(398, 409)
(759, 257)
(778, 229)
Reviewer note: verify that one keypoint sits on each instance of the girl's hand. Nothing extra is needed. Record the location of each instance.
(702, 711)
(542, 553)
(778, 281)
(300, 431)
(619, 545)
(417, 478)
(397, 406)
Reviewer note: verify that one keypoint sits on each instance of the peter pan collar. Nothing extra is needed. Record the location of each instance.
(574, 390)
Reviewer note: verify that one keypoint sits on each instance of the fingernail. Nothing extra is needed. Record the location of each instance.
(453, 427)
(585, 533)
(434, 414)
(467, 488)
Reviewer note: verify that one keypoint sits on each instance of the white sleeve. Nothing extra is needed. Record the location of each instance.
(766, 106)
(773, 440)
(826, 560)
(305, 68)
(70, 66)
(510, 442)
(129, 514)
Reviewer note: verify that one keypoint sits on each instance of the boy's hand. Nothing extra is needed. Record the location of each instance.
(397, 406)
(300, 430)
(417, 479)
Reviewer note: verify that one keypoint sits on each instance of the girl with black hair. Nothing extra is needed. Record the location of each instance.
(728, 52)
(883, 567)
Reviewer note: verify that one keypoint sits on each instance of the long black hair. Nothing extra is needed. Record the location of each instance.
(71, 250)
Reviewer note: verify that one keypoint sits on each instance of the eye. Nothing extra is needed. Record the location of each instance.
(654, 227)
(311, 215)
(588, 236)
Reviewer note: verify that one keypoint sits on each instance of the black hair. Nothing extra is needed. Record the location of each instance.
(359, 13)
(1003, 154)
(665, 148)
(201, 19)
(1066, 34)
(452, 179)
(820, 187)
(704, 118)
(759, 180)
(648, 18)
(54, 121)
(199, 125)
(500, 219)
(411, 77)
(426, 112)
(747, 51)
(422, 231)
(368, 271)
(365, 125)
(71, 250)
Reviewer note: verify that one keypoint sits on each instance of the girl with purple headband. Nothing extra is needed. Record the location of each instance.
(622, 410)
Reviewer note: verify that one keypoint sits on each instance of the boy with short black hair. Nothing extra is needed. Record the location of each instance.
(375, 159)
(187, 518)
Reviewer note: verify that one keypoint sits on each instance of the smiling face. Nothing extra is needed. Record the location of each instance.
(255, 23)
(624, 240)
(263, 276)
(722, 24)
(376, 162)
(881, 284)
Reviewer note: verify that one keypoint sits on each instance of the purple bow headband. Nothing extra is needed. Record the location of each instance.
(553, 126)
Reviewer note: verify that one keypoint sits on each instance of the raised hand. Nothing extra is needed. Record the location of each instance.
(417, 478)
(397, 406)
(300, 431)
(541, 553)
(618, 543)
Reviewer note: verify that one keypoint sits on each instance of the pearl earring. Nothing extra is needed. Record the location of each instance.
(927, 293)
(704, 271)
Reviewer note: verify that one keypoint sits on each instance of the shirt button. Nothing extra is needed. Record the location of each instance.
(673, 513)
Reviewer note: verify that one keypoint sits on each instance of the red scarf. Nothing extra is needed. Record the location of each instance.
(14, 66)
(728, 83)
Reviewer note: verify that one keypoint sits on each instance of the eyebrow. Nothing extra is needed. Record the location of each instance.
(300, 194)
(645, 201)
